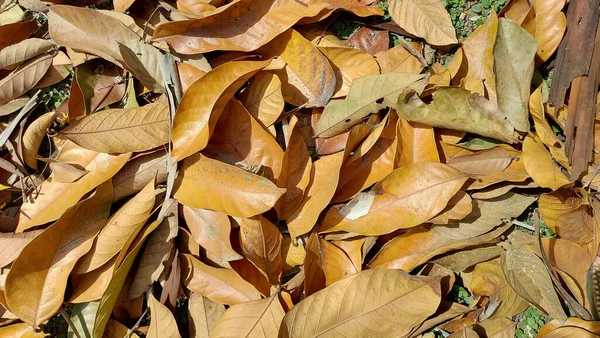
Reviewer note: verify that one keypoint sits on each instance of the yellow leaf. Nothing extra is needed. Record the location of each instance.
(487, 161)
(427, 19)
(20, 330)
(488, 280)
(122, 130)
(120, 230)
(261, 244)
(224, 188)
(203, 103)
(324, 180)
(550, 26)
(308, 77)
(540, 166)
(459, 206)
(55, 197)
(367, 304)
(399, 201)
(398, 60)
(348, 65)
(242, 25)
(293, 255)
(138, 172)
(416, 144)
(568, 213)
(36, 283)
(239, 138)
(217, 284)
(162, 322)
(203, 315)
(263, 98)
(367, 94)
(11, 245)
(259, 318)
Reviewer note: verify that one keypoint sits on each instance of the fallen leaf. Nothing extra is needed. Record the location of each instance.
(293, 253)
(263, 98)
(458, 207)
(394, 198)
(217, 284)
(540, 165)
(225, 188)
(369, 40)
(259, 318)
(24, 78)
(122, 130)
(35, 285)
(514, 54)
(296, 169)
(239, 138)
(138, 172)
(89, 31)
(324, 180)
(162, 322)
(203, 315)
(142, 60)
(308, 77)
(568, 213)
(33, 137)
(416, 144)
(244, 25)
(261, 244)
(458, 109)
(348, 65)
(120, 230)
(550, 26)
(54, 200)
(483, 162)
(462, 260)
(527, 275)
(427, 19)
(398, 60)
(16, 32)
(11, 245)
(367, 95)
(488, 280)
(192, 126)
(364, 298)
(21, 330)
(18, 53)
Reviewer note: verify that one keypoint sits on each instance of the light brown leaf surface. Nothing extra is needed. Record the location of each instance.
(424, 18)
(89, 31)
(540, 165)
(395, 198)
(192, 127)
(14, 55)
(11, 245)
(119, 231)
(122, 130)
(33, 137)
(217, 284)
(54, 200)
(36, 283)
(24, 78)
(142, 60)
(259, 318)
(162, 322)
(348, 65)
(487, 161)
(550, 26)
(416, 144)
(203, 315)
(236, 192)
(324, 180)
(20, 330)
(244, 25)
(368, 303)
(308, 77)
(261, 244)
(138, 172)
(263, 98)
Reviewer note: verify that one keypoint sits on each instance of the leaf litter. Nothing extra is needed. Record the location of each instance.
(275, 168)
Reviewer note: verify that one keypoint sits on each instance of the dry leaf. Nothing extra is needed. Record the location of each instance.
(540, 165)
(259, 318)
(225, 188)
(366, 304)
(263, 98)
(18, 53)
(24, 78)
(203, 315)
(425, 18)
(138, 172)
(162, 322)
(261, 244)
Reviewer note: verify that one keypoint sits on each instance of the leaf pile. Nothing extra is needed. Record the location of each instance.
(233, 169)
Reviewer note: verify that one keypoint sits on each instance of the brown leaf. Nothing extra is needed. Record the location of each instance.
(398, 60)
(14, 55)
(138, 172)
(416, 143)
(217, 284)
(203, 315)
(244, 25)
(484, 162)
(203, 103)
(239, 138)
(225, 188)
(308, 77)
(372, 298)
(33, 137)
(122, 130)
(36, 283)
(540, 165)
(369, 40)
(395, 198)
(263, 98)
(11, 245)
(55, 197)
(261, 244)
(259, 318)
(120, 231)
(90, 31)
(24, 78)
(427, 19)
(162, 321)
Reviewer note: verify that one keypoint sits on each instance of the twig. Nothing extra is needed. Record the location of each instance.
(32, 103)
(523, 225)
(69, 322)
(137, 324)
